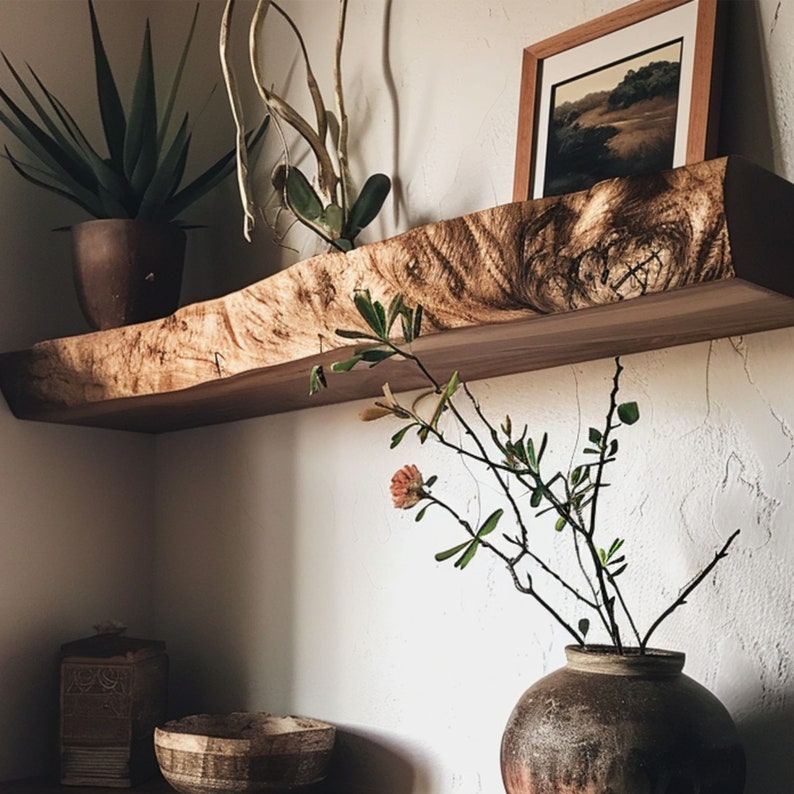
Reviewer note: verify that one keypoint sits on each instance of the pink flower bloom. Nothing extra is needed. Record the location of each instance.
(407, 487)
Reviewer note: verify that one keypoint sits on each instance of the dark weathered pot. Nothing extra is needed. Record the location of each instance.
(612, 724)
(127, 271)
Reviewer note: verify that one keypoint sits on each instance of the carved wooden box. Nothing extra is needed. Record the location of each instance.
(113, 693)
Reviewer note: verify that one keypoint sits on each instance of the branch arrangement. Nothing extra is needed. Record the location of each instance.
(515, 463)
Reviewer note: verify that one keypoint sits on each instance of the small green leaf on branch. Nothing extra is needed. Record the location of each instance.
(445, 555)
(628, 413)
(317, 380)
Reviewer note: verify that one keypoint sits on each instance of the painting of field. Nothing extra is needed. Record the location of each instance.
(615, 121)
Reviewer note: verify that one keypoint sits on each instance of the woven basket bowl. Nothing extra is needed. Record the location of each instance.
(243, 752)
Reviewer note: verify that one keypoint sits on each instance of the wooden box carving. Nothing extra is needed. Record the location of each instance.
(113, 694)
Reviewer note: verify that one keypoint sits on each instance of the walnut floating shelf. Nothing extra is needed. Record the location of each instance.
(633, 264)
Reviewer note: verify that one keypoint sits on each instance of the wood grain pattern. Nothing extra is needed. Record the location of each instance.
(632, 264)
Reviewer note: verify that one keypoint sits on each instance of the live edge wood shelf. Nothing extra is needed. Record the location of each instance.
(633, 264)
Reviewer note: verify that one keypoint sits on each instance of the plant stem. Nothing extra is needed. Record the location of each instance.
(681, 600)
(511, 566)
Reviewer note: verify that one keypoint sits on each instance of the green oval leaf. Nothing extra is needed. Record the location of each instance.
(300, 196)
(345, 366)
(399, 436)
(332, 219)
(628, 413)
(367, 205)
(467, 555)
(445, 555)
(490, 523)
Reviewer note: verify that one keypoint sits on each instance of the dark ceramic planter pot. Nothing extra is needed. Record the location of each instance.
(612, 724)
(127, 271)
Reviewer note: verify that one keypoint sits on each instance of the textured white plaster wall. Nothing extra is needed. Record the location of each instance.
(286, 581)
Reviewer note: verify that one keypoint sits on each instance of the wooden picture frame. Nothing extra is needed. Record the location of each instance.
(621, 37)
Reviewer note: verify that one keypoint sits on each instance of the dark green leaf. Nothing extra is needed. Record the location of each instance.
(42, 179)
(542, 449)
(396, 309)
(212, 176)
(169, 105)
(431, 481)
(584, 627)
(467, 555)
(536, 498)
(613, 447)
(345, 334)
(110, 108)
(366, 207)
(398, 436)
(594, 435)
(66, 167)
(628, 413)
(366, 308)
(445, 555)
(407, 325)
(301, 197)
(619, 570)
(533, 461)
(140, 143)
(376, 354)
(168, 176)
(421, 514)
(490, 523)
(418, 311)
(117, 200)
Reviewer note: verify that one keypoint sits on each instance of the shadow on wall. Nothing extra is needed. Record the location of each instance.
(745, 124)
(769, 745)
(366, 764)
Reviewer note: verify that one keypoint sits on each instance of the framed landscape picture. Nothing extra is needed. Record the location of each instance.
(632, 92)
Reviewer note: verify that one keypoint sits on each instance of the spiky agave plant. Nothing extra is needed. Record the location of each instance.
(141, 175)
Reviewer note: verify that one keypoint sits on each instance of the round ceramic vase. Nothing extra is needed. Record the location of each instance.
(127, 271)
(608, 723)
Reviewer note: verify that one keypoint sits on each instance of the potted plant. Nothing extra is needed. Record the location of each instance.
(128, 262)
(621, 716)
(327, 204)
